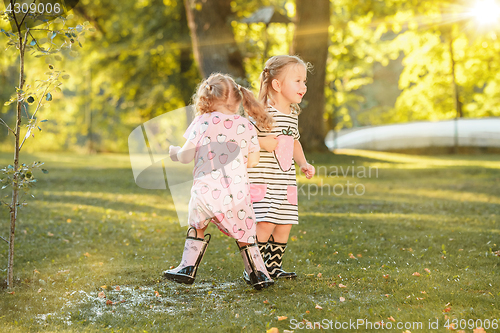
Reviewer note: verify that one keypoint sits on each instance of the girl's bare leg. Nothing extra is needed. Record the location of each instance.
(265, 230)
(281, 233)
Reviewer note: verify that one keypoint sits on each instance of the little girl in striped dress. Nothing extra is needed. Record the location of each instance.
(273, 182)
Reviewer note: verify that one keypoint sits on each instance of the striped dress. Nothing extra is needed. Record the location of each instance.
(273, 182)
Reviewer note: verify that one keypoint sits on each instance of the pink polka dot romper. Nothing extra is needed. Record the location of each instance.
(221, 191)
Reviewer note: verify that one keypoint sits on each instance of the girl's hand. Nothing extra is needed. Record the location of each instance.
(308, 170)
(268, 143)
(173, 150)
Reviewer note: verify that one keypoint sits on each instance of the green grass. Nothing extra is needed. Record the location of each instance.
(91, 229)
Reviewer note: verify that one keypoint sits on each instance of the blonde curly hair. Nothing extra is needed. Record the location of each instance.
(219, 88)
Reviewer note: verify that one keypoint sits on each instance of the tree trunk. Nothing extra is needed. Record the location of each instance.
(311, 43)
(187, 82)
(456, 94)
(15, 188)
(214, 46)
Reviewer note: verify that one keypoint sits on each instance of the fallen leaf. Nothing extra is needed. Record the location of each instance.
(335, 252)
(423, 292)
(341, 285)
(266, 302)
(307, 311)
(273, 330)
(386, 276)
(101, 295)
(157, 294)
(319, 275)
(342, 299)
(103, 287)
(427, 270)
(359, 255)
(109, 302)
(86, 254)
(387, 295)
(282, 318)
(11, 292)
(447, 310)
(479, 330)
(319, 265)
(416, 274)
(36, 272)
(40, 290)
(391, 318)
(172, 267)
(351, 256)
(117, 288)
(318, 307)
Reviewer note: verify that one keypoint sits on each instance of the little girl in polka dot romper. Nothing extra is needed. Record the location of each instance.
(222, 144)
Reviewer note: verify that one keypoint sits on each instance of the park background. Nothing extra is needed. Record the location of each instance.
(419, 244)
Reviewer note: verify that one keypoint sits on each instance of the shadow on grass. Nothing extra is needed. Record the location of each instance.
(364, 250)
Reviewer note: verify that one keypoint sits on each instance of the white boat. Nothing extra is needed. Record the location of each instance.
(484, 132)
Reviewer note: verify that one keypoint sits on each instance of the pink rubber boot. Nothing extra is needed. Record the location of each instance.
(194, 249)
(255, 269)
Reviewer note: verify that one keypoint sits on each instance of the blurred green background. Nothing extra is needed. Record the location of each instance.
(385, 62)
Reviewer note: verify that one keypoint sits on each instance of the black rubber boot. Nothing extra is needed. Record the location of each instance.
(274, 254)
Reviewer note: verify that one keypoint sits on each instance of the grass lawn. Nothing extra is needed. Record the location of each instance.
(416, 241)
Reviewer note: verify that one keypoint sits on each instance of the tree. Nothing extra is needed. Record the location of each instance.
(311, 44)
(42, 41)
(214, 46)
(125, 75)
(450, 63)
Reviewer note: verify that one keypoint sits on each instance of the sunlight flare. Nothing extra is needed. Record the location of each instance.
(486, 12)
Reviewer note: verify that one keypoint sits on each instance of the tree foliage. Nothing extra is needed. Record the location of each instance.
(131, 70)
